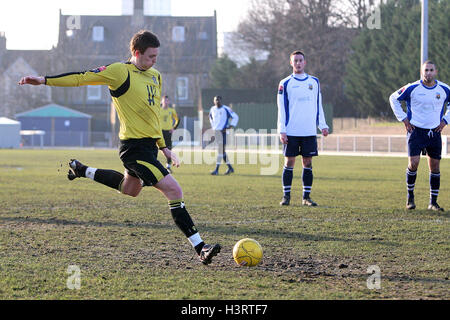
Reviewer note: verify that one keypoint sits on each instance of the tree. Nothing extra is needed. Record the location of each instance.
(387, 58)
(224, 73)
(314, 26)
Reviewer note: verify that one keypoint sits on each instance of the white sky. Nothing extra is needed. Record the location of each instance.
(33, 24)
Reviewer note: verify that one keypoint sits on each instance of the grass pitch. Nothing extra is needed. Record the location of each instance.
(129, 248)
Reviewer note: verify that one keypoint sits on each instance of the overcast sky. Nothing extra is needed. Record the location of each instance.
(33, 24)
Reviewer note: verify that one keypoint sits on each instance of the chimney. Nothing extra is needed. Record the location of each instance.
(2, 46)
(138, 13)
(2, 41)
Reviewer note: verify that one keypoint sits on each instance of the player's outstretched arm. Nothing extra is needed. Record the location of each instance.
(35, 81)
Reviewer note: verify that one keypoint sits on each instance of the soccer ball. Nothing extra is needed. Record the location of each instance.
(247, 252)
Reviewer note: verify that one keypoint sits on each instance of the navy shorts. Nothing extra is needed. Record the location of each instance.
(420, 139)
(305, 146)
(139, 157)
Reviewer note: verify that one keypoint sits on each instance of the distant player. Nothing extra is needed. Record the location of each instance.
(169, 122)
(135, 88)
(222, 118)
(300, 113)
(424, 119)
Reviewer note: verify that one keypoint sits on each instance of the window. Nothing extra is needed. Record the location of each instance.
(178, 34)
(202, 35)
(182, 88)
(94, 92)
(98, 33)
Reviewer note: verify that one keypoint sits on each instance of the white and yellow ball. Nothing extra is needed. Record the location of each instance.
(247, 252)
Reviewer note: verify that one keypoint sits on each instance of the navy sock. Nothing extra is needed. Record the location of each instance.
(225, 158)
(307, 178)
(410, 182)
(288, 174)
(435, 183)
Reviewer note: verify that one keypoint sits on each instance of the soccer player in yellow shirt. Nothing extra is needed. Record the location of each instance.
(135, 87)
(169, 122)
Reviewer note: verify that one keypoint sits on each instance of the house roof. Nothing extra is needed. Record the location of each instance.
(39, 60)
(192, 55)
(53, 111)
(4, 120)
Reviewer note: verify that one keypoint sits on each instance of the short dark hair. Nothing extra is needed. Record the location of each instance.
(143, 40)
(297, 52)
(218, 97)
(429, 62)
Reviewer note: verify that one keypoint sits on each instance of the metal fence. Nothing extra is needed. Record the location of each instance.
(239, 139)
(357, 143)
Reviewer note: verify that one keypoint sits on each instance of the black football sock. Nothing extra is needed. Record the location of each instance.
(288, 174)
(411, 182)
(184, 222)
(307, 178)
(435, 183)
(110, 178)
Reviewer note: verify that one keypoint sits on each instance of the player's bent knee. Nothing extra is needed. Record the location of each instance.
(131, 192)
(131, 186)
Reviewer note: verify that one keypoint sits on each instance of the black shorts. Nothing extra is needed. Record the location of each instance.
(420, 139)
(139, 157)
(305, 146)
(167, 135)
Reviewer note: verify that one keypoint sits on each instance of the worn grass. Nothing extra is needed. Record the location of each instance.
(129, 248)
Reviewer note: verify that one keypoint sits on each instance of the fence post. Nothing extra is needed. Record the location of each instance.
(371, 143)
(185, 129)
(354, 143)
(337, 144)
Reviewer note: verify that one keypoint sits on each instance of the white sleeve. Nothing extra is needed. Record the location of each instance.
(210, 117)
(322, 123)
(446, 117)
(234, 118)
(281, 109)
(396, 105)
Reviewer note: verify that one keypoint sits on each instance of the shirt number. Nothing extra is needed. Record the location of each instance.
(151, 95)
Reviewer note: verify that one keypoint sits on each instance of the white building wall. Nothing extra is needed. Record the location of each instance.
(9, 133)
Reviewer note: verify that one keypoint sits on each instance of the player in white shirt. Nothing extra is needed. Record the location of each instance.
(424, 119)
(222, 118)
(300, 113)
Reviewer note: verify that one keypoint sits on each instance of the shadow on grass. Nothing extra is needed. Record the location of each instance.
(229, 230)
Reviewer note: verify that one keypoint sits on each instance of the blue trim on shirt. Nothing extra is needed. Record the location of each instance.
(293, 76)
(429, 88)
(286, 102)
(318, 93)
(228, 117)
(447, 92)
(406, 96)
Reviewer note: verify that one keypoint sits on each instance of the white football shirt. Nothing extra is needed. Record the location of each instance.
(221, 118)
(425, 106)
(300, 110)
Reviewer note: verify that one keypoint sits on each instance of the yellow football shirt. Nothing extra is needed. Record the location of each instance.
(136, 95)
(169, 118)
